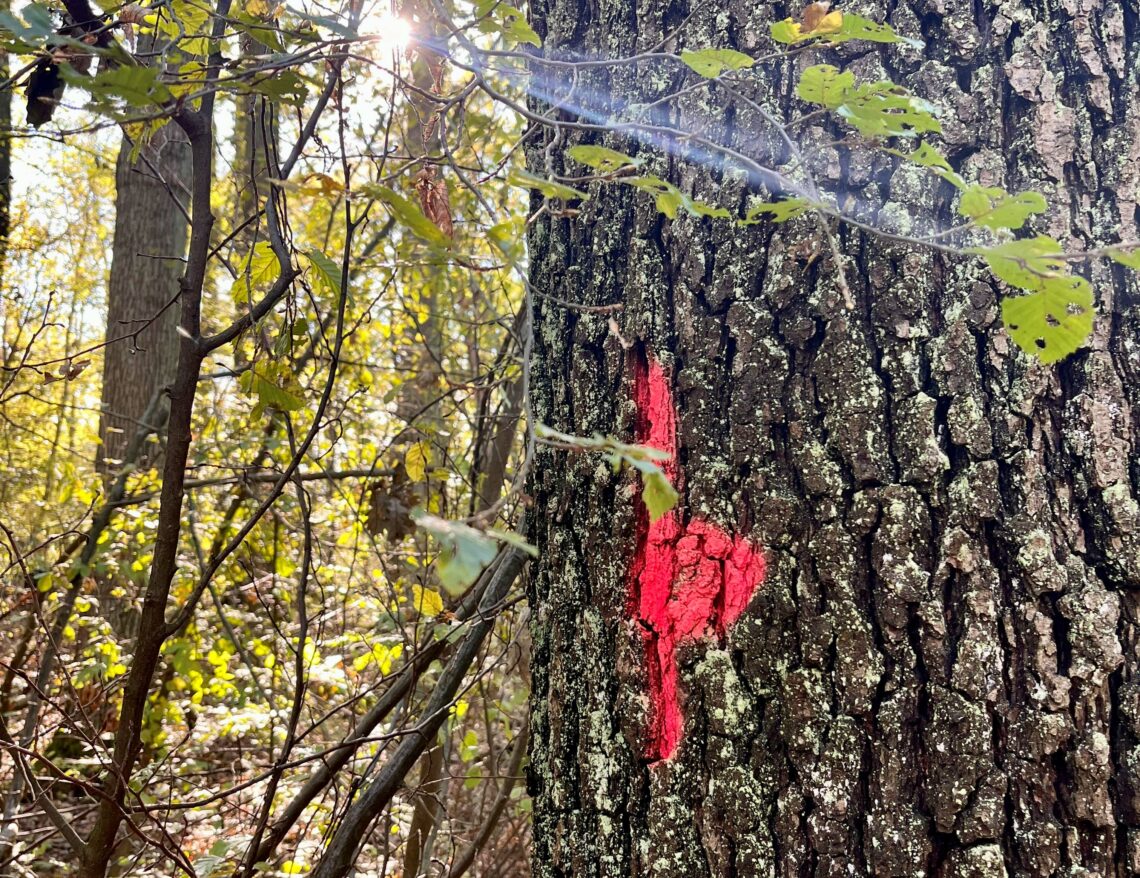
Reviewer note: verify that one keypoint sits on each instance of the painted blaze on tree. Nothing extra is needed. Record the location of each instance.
(686, 580)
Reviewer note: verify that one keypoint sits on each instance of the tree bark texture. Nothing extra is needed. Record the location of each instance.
(940, 673)
(147, 261)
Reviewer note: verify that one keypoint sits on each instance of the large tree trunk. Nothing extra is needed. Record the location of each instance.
(940, 673)
(147, 261)
(141, 353)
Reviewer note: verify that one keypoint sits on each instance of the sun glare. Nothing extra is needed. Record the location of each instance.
(390, 32)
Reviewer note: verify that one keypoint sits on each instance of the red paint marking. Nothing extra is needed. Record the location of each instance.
(686, 581)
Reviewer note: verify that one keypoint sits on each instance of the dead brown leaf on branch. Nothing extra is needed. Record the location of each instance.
(434, 199)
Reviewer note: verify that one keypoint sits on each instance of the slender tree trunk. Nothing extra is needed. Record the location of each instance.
(939, 672)
(147, 261)
(255, 149)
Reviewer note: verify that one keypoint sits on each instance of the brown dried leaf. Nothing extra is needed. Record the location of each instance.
(435, 201)
(435, 65)
(814, 14)
(72, 369)
(132, 13)
(429, 131)
(389, 504)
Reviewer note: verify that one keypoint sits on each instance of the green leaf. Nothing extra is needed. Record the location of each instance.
(209, 865)
(659, 496)
(328, 22)
(926, 156)
(465, 550)
(30, 34)
(670, 199)
(326, 271)
(261, 267)
(1056, 318)
(883, 109)
(856, 27)
(825, 85)
(269, 395)
(269, 37)
(137, 86)
(711, 63)
(409, 215)
(508, 237)
(994, 208)
(780, 211)
(1025, 261)
(701, 208)
(978, 200)
(787, 32)
(1053, 323)
(1128, 257)
(499, 18)
(549, 188)
(517, 30)
(601, 158)
(285, 86)
(513, 539)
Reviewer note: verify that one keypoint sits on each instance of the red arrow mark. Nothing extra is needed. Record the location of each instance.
(686, 581)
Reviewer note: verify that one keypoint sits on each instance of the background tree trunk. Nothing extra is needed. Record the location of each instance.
(5, 157)
(141, 354)
(939, 674)
(146, 263)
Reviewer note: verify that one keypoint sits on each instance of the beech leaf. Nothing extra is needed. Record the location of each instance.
(464, 554)
(711, 63)
(549, 188)
(779, 211)
(994, 208)
(1055, 318)
(659, 496)
(825, 85)
(601, 158)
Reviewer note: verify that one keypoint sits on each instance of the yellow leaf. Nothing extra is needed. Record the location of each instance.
(323, 184)
(427, 602)
(787, 31)
(362, 661)
(416, 461)
(832, 23)
(191, 76)
(385, 656)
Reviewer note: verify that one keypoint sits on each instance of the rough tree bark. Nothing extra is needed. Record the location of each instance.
(940, 674)
(150, 243)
